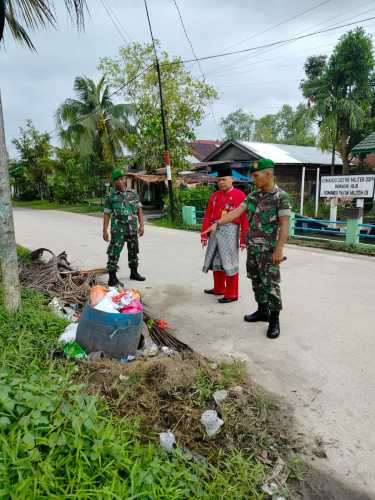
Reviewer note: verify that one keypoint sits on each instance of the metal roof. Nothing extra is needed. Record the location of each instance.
(367, 145)
(290, 154)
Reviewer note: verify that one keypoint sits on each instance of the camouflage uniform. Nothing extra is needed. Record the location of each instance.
(264, 209)
(123, 207)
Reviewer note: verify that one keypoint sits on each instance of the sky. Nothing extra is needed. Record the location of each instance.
(260, 81)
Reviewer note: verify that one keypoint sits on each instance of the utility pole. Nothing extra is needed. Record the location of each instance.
(8, 251)
(166, 155)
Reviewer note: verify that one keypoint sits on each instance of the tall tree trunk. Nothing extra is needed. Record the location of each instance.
(8, 251)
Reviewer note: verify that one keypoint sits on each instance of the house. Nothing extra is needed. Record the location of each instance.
(294, 165)
(200, 149)
(365, 152)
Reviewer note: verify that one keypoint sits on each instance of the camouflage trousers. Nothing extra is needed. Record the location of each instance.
(118, 239)
(264, 275)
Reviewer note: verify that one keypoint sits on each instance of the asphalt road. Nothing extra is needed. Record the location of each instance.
(323, 363)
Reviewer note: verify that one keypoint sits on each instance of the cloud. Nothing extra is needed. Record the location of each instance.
(34, 85)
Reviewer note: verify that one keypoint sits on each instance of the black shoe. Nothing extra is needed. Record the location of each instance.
(261, 314)
(224, 300)
(211, 291)
(274, 326)
(113, 280)
(134, 275)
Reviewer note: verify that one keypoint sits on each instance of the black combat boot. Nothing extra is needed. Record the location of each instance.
(274, 325)
(113, 280)
(134, 274)
(262, 314)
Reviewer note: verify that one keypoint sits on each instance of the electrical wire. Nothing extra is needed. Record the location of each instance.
(321, 4)
(195, 56)
(273, 44)
(235, 65)
(113, 20)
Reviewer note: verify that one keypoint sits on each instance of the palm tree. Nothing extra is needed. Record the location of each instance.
(21, 17)
(93, 123)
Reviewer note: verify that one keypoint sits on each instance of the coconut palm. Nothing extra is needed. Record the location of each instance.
(92, 123)
(21, 17)
(24, 16)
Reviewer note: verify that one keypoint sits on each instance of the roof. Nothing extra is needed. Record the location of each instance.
(291, 154)
(284, 154)
(148, 178)
(367, 145)
(202, 148)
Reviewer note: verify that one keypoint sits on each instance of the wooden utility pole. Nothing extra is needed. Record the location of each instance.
(166, 155)
(8, 250)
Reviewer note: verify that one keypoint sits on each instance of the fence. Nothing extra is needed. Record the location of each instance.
(349, 232)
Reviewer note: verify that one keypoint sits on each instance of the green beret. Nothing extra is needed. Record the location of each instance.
(262, 164)
(117, 173)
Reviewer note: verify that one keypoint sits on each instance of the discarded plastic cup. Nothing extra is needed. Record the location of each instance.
(167, 441)
(211, 422)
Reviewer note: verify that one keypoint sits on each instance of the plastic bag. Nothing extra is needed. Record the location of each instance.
(97, 294)
(107, 305)
(69, 334)
(74, 350)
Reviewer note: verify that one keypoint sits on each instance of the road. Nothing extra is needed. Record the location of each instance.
(323, 363)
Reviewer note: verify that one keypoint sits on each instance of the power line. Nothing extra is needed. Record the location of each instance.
(280, 23)
(119, 22)
(273, 44)
(114, 22)
(195, 56)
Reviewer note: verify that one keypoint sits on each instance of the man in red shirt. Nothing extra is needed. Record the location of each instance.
(222, 253)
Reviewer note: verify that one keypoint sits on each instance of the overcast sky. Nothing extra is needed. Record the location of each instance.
(33, 85)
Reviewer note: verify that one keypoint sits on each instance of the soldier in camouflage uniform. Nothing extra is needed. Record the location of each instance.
(268, 209)
(125, 210)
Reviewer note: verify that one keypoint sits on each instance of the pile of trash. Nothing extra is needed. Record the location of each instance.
(55, 277)
(111, 300)
(90, 337)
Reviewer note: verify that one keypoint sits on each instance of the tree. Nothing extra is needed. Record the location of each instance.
(21, 17)
(340, 92)
(239, 125)
(35, 152)
(93, 123)
(24, 16)
(288, 126)
(185, 99)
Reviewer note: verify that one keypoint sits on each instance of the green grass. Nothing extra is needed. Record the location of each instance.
(58, 442)
(332, 245)
(79, 208)
(167, 222)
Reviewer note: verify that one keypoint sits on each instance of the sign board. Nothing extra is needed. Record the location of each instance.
(355, 186)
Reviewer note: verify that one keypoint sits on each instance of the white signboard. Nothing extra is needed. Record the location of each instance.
(355, 186)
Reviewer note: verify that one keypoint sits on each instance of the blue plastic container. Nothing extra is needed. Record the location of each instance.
(117, 335)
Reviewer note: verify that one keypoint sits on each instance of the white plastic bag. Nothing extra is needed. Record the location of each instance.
(107, 305)
(211, 422)
(69, 334)
(219, 396)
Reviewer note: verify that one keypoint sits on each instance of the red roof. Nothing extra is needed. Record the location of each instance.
(202, 148)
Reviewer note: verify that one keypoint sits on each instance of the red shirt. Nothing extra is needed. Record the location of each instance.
(221, 203)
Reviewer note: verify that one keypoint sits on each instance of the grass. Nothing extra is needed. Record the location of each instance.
(332, 245)
(79, 208)
(167, 222)
(58, 442)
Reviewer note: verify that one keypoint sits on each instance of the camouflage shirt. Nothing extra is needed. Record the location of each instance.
(264, 210)
(123, 207)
